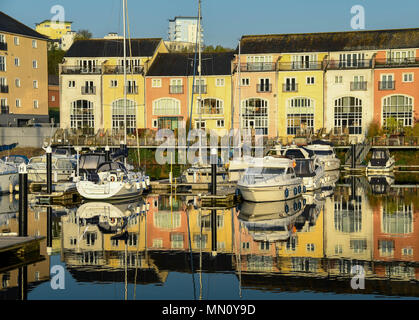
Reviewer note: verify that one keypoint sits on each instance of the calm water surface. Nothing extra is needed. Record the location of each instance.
(303, 248)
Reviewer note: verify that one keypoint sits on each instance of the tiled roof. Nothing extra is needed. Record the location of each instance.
(112, 48)
(330, 41)
(181, 64)
(10, 25)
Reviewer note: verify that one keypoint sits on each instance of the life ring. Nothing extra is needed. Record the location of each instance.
(112, 178)
(286, 193)
(113, 222)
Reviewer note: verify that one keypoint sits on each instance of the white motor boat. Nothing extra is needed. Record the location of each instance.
(381, 162)
(271, 221)
(326, 155)
(63, 168)
(311, 171)
(111, 182)
(9, 177)
(273, 180)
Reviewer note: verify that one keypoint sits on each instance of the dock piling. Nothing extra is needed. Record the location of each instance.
(214, 232)
(213, 171)
(49, 169)
(49, 230)
(23, 201)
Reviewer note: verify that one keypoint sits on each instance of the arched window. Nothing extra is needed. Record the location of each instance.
(397, 218)
(166, 107)
(348, 115)
(118, 115)
(212, 106)
(255, 114)
(348, 214)
(300, 115)
(400, 108)
(81, 115)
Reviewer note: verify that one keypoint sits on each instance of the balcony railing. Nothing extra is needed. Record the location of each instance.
(396, 62)
(357, 64)
(118, 69)
(311, 65)
(4, 89)
(359, 86)
(264, 87)
(200, 89)
(132, 89)
(176, 89)
(257, 66)
(80, 70)
(387, 85)
(4, 109)
(211, 110)
(3, 46)
(288, 87)
(88, 90)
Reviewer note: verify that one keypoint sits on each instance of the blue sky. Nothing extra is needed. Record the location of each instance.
(225, 21)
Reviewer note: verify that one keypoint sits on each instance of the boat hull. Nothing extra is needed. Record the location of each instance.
(7, 181)
(270, 193)
(109, 191)
(40, 175)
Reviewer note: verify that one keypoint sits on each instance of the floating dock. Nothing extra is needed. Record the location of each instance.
(19, 246)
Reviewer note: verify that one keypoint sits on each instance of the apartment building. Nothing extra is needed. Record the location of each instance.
(184, 29)
(23, 74)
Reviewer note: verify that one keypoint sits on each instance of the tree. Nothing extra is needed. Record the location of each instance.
(374, 129)
(55, 57)
(218, 48)
(83, 35)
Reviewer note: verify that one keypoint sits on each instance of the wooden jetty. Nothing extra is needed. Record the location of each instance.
(165, 185)
(19, 246)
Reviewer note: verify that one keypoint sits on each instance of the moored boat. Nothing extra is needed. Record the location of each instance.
(381, 162)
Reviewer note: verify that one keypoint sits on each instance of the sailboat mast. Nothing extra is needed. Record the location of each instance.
(125, 71)
(199, 77)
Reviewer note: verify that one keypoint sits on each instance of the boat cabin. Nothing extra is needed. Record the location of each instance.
(380, 157)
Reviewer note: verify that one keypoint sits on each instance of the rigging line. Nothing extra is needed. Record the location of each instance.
(126, 271)
(136, 257)
(200, 255)
(190, 250)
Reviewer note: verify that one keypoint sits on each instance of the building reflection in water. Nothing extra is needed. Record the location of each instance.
(308, 243)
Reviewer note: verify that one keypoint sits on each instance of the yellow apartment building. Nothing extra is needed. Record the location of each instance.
(53, 29)
(23, 74)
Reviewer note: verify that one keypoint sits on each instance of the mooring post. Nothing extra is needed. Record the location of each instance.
(353, 162)
(213, 160)
(214, 232)
(23, 283)
(107, 154)
(49, 230)
(78, 149)
(49, 169)
(23, 201)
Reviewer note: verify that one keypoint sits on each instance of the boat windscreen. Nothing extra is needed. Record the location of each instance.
(302, 168)
(91, 161)
(323, 152)
(294, 154)
(270, 171)
(379, 154)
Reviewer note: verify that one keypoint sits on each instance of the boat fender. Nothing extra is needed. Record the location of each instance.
(128, 186)
(287, 208)
(112, 178)
(286, 193)
(112, 222)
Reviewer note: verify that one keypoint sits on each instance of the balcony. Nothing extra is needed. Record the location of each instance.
(3, 46)
(118, 69)
(132, 89)
(264, 87)
(359, 86)
(210, 110)
(176, 89)
(397, 62)
(4, 89)
(80, 70)
(88, 90)
(257, 66)
(342, 65)
(295, 66)
(200, 89)
(4, 109)
(289, 87)
(386, 85)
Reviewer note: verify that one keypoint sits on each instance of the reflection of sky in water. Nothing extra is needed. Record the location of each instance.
(264, 251)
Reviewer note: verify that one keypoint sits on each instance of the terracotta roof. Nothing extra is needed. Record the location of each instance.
(330, 41)
(181, 64)
(112, 48)
(10, 25)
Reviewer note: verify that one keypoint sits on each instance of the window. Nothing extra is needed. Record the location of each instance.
(200, 124)
(264, 85)
(308, 61)
(387, 82)
(35, 84)
(176, 240)
(400, 56)
(259, 63)
(358, 83)
(338, 249)
(157, 243)
(114, 83)
(386, 247)
(2, 63)
(220, 123)
(200, 86)
(290, 85)
(358, 245)
(155, 123)
(71, 84)
(338, 79)
(407, 77)
(300, 116)
(35, 104)
(399, 108)
(245, 245)
(52, 98)
(255, 114)
(407, 251)
(17, 103)
(4, 108)
(81, 115)
(132, 87)
(220, 82)
(397, 218)
(166, 220)
(17, 62)
(17, 83)
(211, 106)
(16, 40)
(310, 247)
(348, 115)
(156, 83)
(166, 106)
(176, 86)
(292, 244)
(34, 44)
(132, 239)
(310, 80)
(264, 245)
(35, 64)
(2, 38)
(114, 242)
(348, 215)
(118, 115)
(245, 81)
(352, 60)
(200, 241)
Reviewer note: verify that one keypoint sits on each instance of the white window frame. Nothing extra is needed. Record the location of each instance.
(35, 64)
(156, 83)
(176, 106)
(17, 103)
(155, 123)
(245, 82)
(18, 62)
(71, 83)
(35, 84)
(16, 41)
(113, 83)
(53, 98)
(198, 124)
(309, 79)
(34, 44)
(3, 59)
(219, 82)
(219, 123)
(18, 84)
(35, 104)
(408, 74)
(339, 78)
